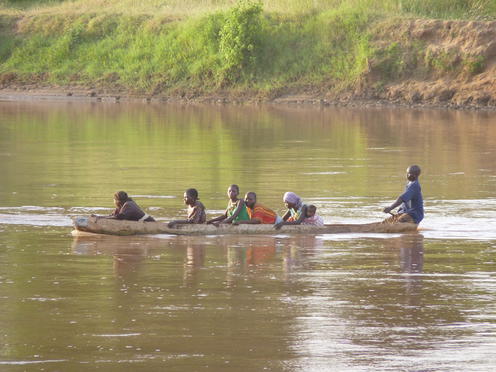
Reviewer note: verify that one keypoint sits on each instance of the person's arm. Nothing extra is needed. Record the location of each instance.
(236, 212)
(286, 215)
(123, 213)
(297, 222)
(396, 204)
(277, 226)
(110, 216)
(403, 198)
(218, 219)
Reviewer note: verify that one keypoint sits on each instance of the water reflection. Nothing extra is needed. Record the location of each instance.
(411, 257)
(242, 254)
(300, 302)
(412, 253)
(255, 251)
(128, 253)
(194, 261)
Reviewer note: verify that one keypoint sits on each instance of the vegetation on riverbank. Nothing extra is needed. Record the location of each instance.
(193, 48)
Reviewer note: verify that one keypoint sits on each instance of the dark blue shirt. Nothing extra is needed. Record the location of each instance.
(413, 203)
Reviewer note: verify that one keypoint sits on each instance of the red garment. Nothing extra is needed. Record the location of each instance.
(263, 214)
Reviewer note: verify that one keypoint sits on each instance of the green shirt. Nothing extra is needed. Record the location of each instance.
(243, 214)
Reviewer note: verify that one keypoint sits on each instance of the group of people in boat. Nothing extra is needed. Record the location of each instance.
(249, 211)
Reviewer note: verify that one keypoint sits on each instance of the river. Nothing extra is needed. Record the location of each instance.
(344, 302)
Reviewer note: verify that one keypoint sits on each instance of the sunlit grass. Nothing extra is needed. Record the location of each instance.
(173, 45)
(186, 8)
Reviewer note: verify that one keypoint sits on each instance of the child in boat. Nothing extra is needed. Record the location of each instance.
(258, 213)
(411, 201)
(236, 209)
(196, 209)
(312, 218)
(296, 213)
(127, 209)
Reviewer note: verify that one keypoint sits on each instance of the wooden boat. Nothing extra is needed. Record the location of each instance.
(84, 224)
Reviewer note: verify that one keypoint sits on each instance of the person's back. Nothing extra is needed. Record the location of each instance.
(413, 203)
(196, 213)
(132, 212)
(263, 214)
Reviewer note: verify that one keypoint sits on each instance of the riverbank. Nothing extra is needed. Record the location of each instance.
(91, 96)
(351, 54)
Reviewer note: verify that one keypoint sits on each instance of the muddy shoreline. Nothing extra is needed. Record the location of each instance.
(308, 100)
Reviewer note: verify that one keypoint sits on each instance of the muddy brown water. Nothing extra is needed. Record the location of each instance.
(347, 302)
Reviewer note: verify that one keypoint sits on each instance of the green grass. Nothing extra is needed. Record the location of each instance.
(171, 45)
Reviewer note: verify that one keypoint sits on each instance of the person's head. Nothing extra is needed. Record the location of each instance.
(250, 199)
(120, 197)
(233, 192)
(291, 200)
(311, 210)
(190, 196)
(412, 172)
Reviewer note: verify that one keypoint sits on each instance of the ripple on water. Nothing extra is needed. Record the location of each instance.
(32, 219)
(24, 362)
(32, 208)
(89, 209)
(116, 335)
(324, 173)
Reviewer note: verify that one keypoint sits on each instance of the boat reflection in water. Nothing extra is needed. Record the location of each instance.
(128, 254)
(237, 254)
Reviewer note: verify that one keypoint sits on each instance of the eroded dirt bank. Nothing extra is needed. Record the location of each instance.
(451, 63)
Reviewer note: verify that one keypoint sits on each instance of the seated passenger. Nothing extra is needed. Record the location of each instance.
(411, 201)
(127, 209)
(296, 213)
(257, 212)
(236, 209)
(196, 209)
(312, 218)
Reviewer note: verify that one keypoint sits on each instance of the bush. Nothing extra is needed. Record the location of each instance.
(240, 40)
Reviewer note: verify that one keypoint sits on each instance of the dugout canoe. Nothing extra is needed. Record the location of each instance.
(93, 225)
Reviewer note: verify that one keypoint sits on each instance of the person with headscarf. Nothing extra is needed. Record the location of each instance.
(296, 213)
(127, 209)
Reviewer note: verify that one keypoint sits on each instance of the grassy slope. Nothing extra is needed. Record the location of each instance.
(200, 46)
